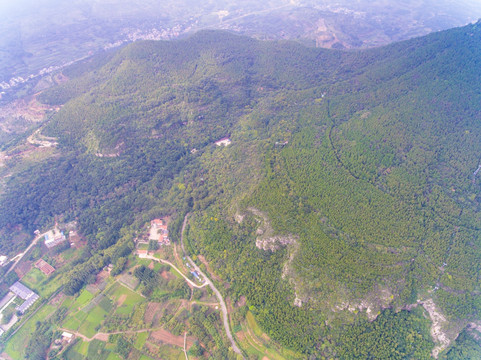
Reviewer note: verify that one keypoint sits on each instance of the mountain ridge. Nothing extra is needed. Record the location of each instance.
(355, 154)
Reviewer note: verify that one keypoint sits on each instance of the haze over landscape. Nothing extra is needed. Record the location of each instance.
(48, 33)
(240, 180)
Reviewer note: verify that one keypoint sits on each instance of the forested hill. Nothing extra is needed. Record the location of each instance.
(362, 164)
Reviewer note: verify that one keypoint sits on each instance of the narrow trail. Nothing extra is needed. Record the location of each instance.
(102, 334)
(185, 342)
(476, 173)
(223, 307)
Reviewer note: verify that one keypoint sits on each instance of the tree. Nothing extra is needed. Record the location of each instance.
(153, 245)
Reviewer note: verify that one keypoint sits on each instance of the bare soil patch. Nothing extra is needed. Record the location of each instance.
(102, 337)
(121, 299)
(265, 337)
(23, 268)
(152, 309)
(152, 348)
(241, 302)
(166, 337)
(58, 299)
(240, 335)
(129, 281)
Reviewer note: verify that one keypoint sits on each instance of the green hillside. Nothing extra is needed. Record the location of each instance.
(354, 173)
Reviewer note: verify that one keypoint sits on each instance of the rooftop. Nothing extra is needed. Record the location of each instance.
(224, 141)
(22, 291)
(29, 302)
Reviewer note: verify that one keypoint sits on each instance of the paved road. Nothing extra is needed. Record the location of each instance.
(223, 307)
(21, 255)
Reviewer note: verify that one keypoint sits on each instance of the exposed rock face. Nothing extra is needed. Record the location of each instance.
(274, 243)
(438, 321)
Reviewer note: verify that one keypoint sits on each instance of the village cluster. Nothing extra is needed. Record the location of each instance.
(159, 233)
(20, 296)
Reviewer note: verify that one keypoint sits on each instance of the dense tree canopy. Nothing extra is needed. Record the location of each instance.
(364, 161)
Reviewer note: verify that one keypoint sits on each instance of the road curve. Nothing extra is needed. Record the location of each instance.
(223, 307)
(150, 257)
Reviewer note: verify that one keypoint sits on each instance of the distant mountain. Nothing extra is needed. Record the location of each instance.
(350, 185)
(41, 36)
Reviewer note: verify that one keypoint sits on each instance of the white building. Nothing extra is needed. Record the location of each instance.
(54, 237)
(3, 260)
(223, 142)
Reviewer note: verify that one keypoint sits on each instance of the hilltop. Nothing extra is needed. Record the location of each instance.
(349, 186)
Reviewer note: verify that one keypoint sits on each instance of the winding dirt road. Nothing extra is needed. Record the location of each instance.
(150, 257)
(223, 307)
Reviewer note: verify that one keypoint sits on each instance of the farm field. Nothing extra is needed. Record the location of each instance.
(15, 347)
(109, 320)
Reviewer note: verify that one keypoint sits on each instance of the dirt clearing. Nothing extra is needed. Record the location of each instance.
(121, 299)
(166, 337)
(152, 309)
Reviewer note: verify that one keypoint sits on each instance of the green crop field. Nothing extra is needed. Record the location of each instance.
(145, 357)
(127, 297)
(72, 323)
(73, 355)
(141, 339)
(43, 285)
(93, 322)
(69, 254)
(83, 299)
(252, 323)
(78, 352)
(106, 304)
(114, 356)
(33, 278)
(97, 351)
(170, 352)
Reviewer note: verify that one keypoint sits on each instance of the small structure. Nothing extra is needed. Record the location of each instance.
(44, 267)
(3, 260)
(143, 254)
(66, 336)
(223, 142)
(159, 232)
(73, 236)
(26, 294)
(196, 275)
(54, 237)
